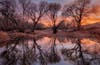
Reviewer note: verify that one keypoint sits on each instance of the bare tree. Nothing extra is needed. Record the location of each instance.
(24, 4)
(8, 11)
(54, 8)
(36, 11)
(77, 11)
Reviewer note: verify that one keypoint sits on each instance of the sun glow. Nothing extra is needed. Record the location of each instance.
(90, 20)
(94, 17)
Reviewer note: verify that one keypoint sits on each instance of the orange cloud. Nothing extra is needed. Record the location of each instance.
(93, 17)
(90, 20)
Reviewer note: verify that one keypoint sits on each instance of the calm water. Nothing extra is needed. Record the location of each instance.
(50, 51)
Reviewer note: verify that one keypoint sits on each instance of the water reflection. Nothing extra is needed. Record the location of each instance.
(50, 51)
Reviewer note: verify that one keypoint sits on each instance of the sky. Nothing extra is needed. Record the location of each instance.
(91, 19)
(66, 1)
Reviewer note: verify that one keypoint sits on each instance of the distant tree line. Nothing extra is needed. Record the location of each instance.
(15, 15)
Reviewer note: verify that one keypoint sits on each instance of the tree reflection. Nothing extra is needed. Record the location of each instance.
(77, 54)
(20, 51)
(17, 51)
(53, 55)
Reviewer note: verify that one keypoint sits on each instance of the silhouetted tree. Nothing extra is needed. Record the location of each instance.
(24, 4)
(54, 8)
(77, 11)
(36, 11)
(8, 11)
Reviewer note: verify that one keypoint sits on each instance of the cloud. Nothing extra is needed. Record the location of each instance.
(66, 1)
(97, 2)
(60, 1)
(57, 1)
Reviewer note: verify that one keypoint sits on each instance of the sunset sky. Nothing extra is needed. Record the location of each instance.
(93, 18)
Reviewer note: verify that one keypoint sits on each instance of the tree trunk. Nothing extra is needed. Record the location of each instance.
(54, 30)
(79, 25)
(34, 26)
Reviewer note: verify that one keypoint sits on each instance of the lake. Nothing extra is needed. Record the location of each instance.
(52, 50)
